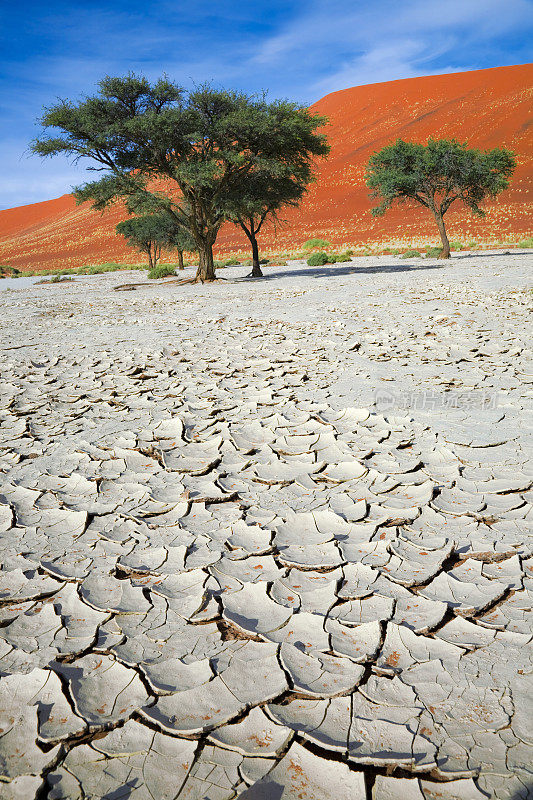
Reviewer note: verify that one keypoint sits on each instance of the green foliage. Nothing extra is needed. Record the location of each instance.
(150, 233)
(411, 254)
(437, 174)
(528, 242)
(161, 271)
(318, 259)
(433, 252)
(456, 246)
(310, 244)
(342, 257)
(231, 262)
(214, 149)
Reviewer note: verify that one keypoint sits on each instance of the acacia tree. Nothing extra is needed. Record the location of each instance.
(436, 175)
(185, 154)
(149, 233)
(182, 241)
(264, 195)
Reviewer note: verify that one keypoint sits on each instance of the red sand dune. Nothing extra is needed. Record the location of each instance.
(486, 108)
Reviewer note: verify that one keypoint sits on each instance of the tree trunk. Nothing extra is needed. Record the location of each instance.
(180, 259)
(256, 268)
(443, 235)
(206, 266)
(251, 234)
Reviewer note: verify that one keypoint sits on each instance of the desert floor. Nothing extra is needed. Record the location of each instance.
(268, 538)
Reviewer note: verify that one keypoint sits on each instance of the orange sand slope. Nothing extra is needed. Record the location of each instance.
(486, 108)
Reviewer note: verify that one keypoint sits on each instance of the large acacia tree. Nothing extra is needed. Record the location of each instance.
(185, 153)
(436, 175)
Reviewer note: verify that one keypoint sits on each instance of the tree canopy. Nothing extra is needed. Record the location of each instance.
(151, 233)
(186, 154)
(436, 175)
(263, 197)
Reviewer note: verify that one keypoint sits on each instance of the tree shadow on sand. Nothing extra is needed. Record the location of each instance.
(493, 255)
(349, 269)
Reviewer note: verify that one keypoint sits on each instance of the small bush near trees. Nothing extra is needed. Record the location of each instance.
(343, 257)
(310, 244)
(528, 242)
(412, 254)
(161, 271)
(433, 252)
(456, 246)
(318, 259)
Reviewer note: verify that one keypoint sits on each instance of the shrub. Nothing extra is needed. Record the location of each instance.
(456, 246)
(311, 243)
(433, 252)
(528, 242)
(394, 251)
(161, 271)
(264, 261)
(318, 259)
(411, 254)
(343, 257)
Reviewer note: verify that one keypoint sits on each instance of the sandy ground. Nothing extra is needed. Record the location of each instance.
(268, 538)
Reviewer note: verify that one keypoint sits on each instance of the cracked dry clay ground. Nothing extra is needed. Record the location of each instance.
(268, 539)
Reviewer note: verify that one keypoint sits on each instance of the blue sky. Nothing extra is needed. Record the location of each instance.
(301, 49)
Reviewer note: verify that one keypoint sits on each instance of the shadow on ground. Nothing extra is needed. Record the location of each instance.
(349, 269)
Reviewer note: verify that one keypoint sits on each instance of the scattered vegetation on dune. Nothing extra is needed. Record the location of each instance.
(312, 244)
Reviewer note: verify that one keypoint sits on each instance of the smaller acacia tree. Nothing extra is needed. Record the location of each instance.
(182, 241)
(149, 233)
(262, 198)
(436, 175)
